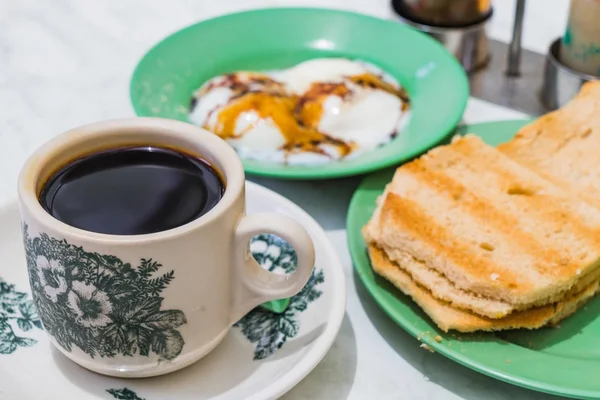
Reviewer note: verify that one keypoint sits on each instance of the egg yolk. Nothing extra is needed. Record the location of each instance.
(280, 109)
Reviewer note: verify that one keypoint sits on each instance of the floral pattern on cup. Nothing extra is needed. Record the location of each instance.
(268, 330)
(52, 277)
(99, 303)
(17, 314)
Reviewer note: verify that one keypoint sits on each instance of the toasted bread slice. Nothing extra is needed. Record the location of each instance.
(442, 289)
(562, 146)
(448, 318)
(489, 225)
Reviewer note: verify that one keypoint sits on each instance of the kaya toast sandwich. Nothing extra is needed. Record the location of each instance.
(485, 235)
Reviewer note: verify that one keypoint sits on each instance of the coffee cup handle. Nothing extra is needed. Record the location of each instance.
(254, 284)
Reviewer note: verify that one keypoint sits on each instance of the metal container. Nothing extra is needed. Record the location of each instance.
(561, 83)
(468, 44)
(444, 13)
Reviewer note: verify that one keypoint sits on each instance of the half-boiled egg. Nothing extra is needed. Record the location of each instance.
(315, 112)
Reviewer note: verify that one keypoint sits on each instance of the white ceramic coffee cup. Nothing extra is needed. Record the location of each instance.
(103, 299)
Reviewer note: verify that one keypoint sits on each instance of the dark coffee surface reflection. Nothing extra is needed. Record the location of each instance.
(132, 191)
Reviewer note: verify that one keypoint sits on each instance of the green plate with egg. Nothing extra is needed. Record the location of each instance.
(165, 80)
(561, 360)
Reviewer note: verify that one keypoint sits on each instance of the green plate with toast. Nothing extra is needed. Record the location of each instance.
(166, 77)
(563, 360)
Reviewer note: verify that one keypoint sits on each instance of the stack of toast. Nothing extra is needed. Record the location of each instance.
(488, 239)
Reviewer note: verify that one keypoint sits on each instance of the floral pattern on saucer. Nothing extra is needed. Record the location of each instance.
(17, 314)
(269, 330)
(274, 254)
(124, 394)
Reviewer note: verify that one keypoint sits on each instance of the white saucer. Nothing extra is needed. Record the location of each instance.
(262, 357)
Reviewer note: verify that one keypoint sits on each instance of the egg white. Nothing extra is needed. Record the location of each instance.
(368, 118)
(299, 78)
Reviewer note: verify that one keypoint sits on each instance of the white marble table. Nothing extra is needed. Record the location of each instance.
(65, 63)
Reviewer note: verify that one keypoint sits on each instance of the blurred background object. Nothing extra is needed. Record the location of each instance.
(505, 73)
(561, 83)
(458, 24)
(501, 73)
(573, 59)
(580, 46)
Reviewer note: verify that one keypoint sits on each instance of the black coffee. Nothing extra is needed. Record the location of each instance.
(132, 191)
